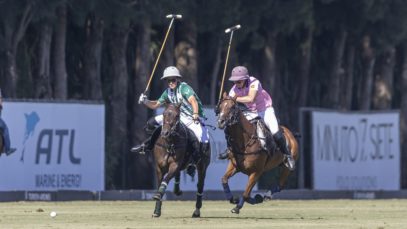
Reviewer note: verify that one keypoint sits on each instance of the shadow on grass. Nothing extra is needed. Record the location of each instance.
(247, 217)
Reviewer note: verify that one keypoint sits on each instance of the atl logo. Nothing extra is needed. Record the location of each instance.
(46, 139)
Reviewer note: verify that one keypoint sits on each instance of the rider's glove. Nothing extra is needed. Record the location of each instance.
(195, 117)
(142, 98)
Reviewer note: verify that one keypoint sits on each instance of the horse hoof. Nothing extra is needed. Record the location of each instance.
(155, 215)
(259, 199)
(178, 193)
(235, 210)
(196, 214)
(157, 197)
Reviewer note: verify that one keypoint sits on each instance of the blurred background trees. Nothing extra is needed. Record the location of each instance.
(339, 54)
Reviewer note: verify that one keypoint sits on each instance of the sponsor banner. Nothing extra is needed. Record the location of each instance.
(216, 168)
(355, 151)
(60, 146)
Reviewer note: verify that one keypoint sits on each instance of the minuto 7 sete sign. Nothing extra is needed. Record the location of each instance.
(60, 146)
(355, 151)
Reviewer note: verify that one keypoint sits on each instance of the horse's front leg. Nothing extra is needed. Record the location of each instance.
(246, 194)
(230, 171)
(158, 203)
(177, 190)
(172, 170)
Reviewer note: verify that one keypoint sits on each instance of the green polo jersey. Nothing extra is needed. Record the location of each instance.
(182, 93)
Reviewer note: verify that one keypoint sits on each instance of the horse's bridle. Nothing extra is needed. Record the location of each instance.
(173, 129)
(233, 116)
(169, 146)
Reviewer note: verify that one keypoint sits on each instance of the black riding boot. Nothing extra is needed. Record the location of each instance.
(196, 156)
(143, 147)
(281, 142)
(147, 145)
(224, 155)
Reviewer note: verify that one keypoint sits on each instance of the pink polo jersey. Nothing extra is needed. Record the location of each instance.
(262, 100)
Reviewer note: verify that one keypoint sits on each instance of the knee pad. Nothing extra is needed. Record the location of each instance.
(151, 125)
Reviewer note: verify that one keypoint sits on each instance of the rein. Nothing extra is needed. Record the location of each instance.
(233, 119)
(173, 132)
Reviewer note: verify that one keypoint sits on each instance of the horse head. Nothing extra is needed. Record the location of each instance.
(228, 111)
(171, 119)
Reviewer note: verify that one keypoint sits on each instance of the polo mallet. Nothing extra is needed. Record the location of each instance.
(228, 30)
(173, 17)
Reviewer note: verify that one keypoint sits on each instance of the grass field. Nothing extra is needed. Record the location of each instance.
(214, 214)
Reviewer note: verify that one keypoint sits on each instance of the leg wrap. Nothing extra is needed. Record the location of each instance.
(198, 200)
(162, 188)
(241, 202)
(251, 200)
(227, 192)
(275, 189)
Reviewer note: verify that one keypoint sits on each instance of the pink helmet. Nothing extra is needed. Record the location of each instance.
(239, 73)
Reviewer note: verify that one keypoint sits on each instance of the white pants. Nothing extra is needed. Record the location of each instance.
(268, 116)
(199, 130)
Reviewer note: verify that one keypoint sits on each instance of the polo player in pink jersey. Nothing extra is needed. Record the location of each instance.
(248, 90)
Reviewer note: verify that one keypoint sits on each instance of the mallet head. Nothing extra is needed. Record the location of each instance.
(233, 28)
(176, 16)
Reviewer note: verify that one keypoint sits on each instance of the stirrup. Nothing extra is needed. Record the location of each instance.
(138, 149)
(289, 162)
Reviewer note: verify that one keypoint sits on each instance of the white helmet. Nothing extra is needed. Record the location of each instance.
(171, 71)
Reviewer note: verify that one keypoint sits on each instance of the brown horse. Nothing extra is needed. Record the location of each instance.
(172, 152)
(246, 154)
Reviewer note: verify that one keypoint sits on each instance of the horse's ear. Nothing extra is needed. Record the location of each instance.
(225, 95)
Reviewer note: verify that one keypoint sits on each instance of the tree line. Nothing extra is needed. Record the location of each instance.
(339, 54)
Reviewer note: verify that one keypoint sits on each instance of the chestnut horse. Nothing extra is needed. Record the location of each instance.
(246, 154)
(172, 153)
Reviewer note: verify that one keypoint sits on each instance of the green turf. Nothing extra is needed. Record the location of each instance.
(214, 214)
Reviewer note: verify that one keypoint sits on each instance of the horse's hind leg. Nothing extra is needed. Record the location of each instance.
(202, 166)
(285, 172)
(246, 194)
(230, 171)
(283, 177)
(177, 189)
